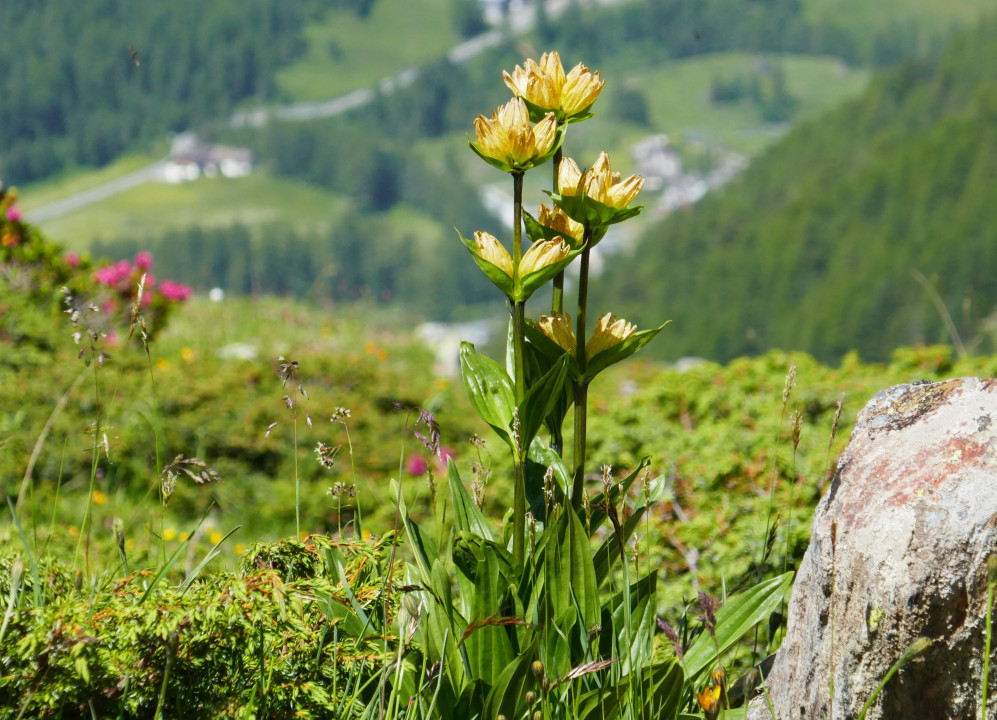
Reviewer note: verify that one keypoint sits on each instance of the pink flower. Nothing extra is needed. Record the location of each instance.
(143, 259)
(172, 290)
(107, 275)
(112, 338)
(416, 465)
(123, 268)
(14, 213)
(72, 259)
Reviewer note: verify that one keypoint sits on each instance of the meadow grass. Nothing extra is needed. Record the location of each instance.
(345, 52)
(260, 198)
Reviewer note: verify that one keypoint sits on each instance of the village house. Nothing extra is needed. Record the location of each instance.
(190, 159)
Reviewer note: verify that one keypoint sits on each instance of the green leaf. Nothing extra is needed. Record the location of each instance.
(735, 620)
(592, 213)
(508, 696)
(571, 568)
(467, 516)
(490, 390)
(621, 351)
(541, 399)
(550, 349)
(497, 275)
(539, 458)
(489, 646)
(349, 623)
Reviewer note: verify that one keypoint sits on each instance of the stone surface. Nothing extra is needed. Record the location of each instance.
(898, 549)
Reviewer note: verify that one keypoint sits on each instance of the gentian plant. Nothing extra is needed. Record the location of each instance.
(538, 619)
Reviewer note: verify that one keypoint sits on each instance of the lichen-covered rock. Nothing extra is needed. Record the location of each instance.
(898, 550)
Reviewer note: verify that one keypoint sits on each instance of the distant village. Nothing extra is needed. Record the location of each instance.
(191, 159)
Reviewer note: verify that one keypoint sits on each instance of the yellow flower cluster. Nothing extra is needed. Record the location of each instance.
(609, 331)
(598, 182)
(545, 85)
(540, 255)
(510, 138)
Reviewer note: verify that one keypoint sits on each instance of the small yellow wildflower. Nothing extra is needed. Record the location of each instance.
(99, 498)
(381, 355)
(187, 354)
(609, 331)
(558, 328)
(216, 537)
(162, 363)
(370, 347)
(169, 533)
(239, 548)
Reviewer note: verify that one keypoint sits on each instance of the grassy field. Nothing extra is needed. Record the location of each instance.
(152, 208)
(346, 53)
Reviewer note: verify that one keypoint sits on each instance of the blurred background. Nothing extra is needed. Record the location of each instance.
(819, 172)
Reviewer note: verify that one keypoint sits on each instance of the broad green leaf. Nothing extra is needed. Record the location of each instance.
(540, 399)
(550, 349)
(571, 568)
(735, 619)
(508, 696)
(489, 646)
(539, 458)
(661, 688)
(490, 390)
(620, 351)
(630, 615)
(467, 516)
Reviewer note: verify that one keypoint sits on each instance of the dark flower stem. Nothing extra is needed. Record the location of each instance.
(581, 389)
(518, 343)
(557, 306)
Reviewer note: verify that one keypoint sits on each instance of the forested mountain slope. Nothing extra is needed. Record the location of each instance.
(83, 79)
(814, 246)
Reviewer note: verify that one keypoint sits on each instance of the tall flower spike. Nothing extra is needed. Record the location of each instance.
(609, 331)
(510, 142)
(547, 89)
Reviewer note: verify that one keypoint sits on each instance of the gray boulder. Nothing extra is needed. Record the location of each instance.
(898, 550)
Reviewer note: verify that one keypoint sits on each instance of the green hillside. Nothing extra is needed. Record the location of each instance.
(813, 248)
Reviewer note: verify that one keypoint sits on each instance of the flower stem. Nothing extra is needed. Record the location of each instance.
(557, 306)
(581, 389)
(518, 350)
(557, 301)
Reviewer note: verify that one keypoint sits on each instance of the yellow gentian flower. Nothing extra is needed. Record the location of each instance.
(545, 85)
(605, 186)
(509, 139)
(556, 220)
(558, 328)
(609, 331)
(490, 249)
(543, 253)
